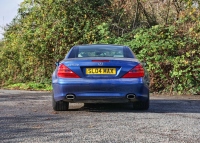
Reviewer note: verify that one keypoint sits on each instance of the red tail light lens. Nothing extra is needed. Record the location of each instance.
(135, 72)
(65, 72)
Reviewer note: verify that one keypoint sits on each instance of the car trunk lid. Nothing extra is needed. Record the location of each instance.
(100, 67)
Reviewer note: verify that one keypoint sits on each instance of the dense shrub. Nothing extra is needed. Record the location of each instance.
(44, 31)
(167, 38)
(172, 57)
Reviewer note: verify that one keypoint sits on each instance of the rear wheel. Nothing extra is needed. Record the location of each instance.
(59, 105)
(141, 105)
(87, 104)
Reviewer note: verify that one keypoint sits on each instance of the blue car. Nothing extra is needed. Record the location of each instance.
(100, 74)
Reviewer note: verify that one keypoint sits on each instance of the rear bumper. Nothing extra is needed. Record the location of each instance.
(101, 90)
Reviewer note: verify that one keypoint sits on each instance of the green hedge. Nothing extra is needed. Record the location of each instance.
(44, 31)
(172, 56)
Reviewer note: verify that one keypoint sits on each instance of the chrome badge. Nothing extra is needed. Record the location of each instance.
(100, 64)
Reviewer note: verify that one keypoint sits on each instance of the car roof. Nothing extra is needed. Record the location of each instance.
(99, 45)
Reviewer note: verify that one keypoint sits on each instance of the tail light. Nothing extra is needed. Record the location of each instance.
(65, 72)
(135, 72)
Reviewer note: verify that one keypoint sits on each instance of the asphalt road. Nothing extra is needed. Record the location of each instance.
(27, 116)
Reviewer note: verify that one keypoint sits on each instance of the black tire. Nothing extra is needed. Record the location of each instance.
(141, 105)
(88, 105)
(59, 105)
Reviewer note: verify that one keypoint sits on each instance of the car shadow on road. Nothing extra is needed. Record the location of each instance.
(174, 106)
(164, 105)
(156, 106)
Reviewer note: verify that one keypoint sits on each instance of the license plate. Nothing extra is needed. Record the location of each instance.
(100, 70)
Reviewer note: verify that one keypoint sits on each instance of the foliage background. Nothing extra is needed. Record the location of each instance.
(163, 33)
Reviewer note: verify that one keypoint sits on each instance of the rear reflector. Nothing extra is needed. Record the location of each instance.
(65, 72)
(100, 60)
(135, 72)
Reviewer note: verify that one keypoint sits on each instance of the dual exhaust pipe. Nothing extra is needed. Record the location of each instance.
(130, 96)
(70, 96)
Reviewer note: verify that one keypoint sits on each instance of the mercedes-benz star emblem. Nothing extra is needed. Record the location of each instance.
(100, 64)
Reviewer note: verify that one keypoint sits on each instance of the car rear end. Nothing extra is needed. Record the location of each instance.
(101, 79)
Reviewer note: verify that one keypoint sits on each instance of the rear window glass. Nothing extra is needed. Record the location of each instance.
(100, 51)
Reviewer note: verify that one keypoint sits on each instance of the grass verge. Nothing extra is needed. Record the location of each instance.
(29, 86)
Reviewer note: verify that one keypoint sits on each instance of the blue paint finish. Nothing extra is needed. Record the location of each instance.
(97, 87)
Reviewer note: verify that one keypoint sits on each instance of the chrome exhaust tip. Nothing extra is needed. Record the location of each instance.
(70, 96)
(130, 96)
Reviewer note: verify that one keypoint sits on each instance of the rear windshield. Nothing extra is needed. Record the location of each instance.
(100, 51)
